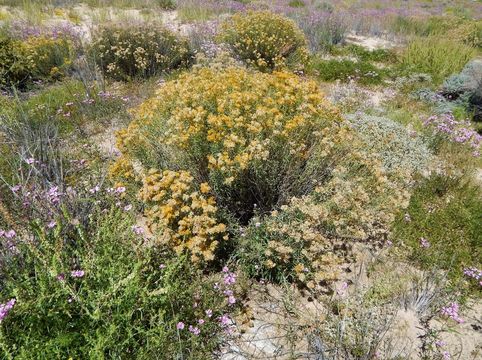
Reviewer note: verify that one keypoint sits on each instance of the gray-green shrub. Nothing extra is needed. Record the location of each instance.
(396, 147)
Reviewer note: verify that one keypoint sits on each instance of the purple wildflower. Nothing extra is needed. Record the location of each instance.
(77, 273)
(194, 329)
(5, 308)
(424, 243)
(452, 311)
(137, 229)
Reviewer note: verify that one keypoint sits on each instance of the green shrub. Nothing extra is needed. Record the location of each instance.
(265, 40)
(140, 51)
(296, 3)
(37, 58)
(437, 56)
(365, 55)
(445, 211)
(363, 72)
(97, 291)
(67, 105)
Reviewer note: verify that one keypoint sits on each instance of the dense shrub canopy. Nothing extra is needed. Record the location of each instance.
(37, 58)
(139, 51)
(265, 40)
(256, 139)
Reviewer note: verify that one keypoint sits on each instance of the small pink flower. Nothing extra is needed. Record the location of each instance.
(95, 189)
(209, 313)
(16, 188)
(452, 311)
(162, 266)
(10, 234)
(200, 321)
(195, 330)
(120, 190)
(225, 320)
(231, 300)
(230, 279)
(225, 269)
(137, 229)
(60, 277)
(30, 161)
(77, 273)
(5, 308)
(180, 325)
(424, 243)
(343, 287)
(51, 224)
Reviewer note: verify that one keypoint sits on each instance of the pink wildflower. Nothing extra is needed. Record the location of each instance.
(5, 308)
(137, 229)
(194, 329)
(452, 311)
(180, 325)
(424, 243)
(77, 273)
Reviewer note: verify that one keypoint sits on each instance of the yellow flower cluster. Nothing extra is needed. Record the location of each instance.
(122, 169)
(138, 51)
(265, 40)
(184, 217)
(226, 121)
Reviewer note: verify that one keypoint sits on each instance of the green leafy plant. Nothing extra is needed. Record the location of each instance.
(363, 72)
(95, 290)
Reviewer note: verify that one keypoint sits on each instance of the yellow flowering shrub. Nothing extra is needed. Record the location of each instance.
(139, 51)
(256, 138)
(36, 58)
(183, 216)
(265, 40)
(122, 168)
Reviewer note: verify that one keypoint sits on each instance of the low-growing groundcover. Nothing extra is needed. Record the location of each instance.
(97, 291)
(442, 225)
(344, 70)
